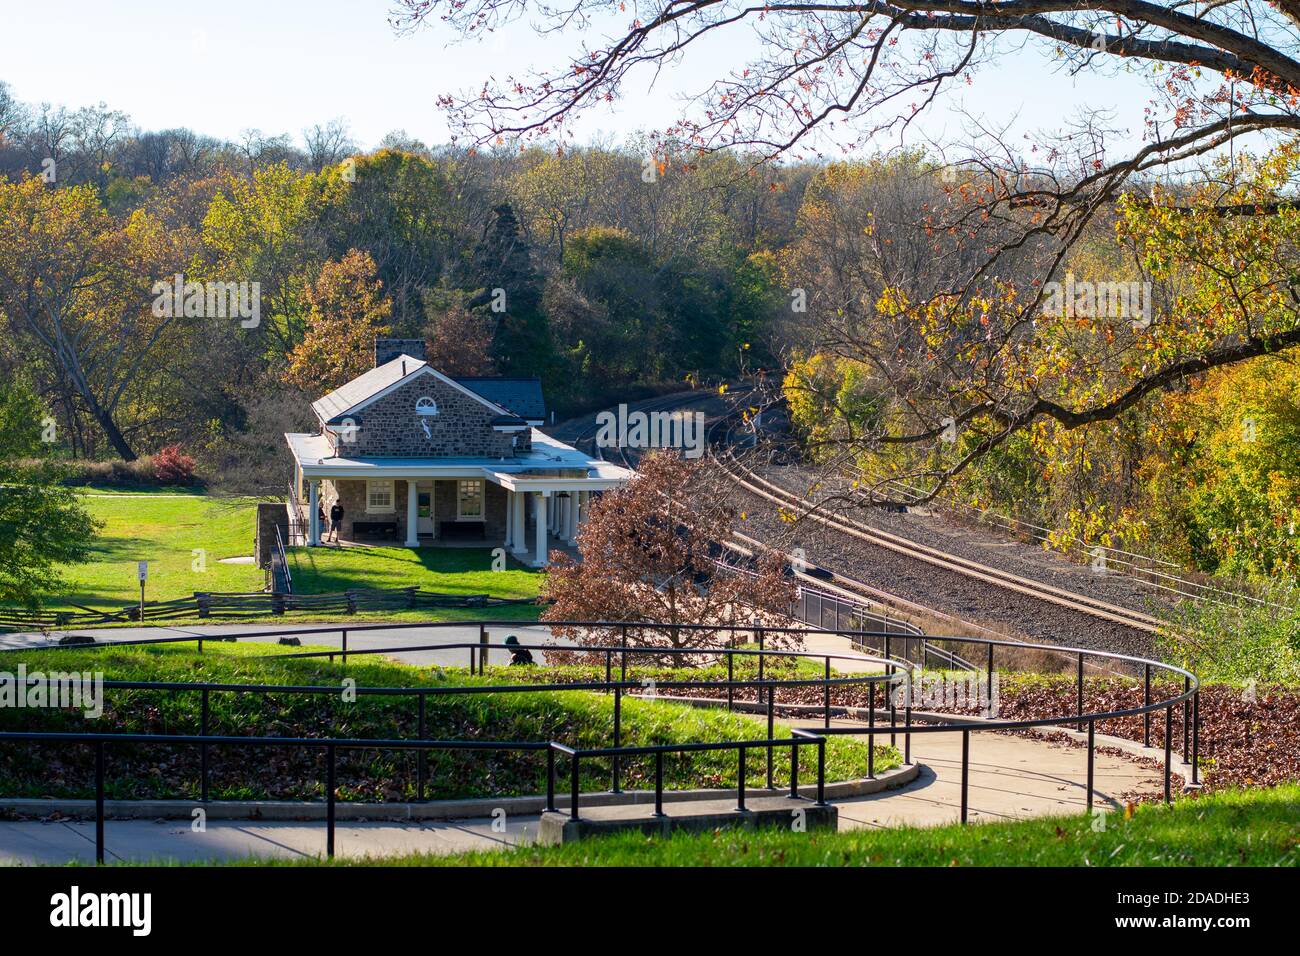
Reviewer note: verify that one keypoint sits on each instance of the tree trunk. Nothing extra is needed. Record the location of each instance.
(115, 436)
(111, 431)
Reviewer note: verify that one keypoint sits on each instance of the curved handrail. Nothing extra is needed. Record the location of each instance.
(895, 673)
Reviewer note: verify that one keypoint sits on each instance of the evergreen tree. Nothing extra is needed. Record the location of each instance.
(511, 292)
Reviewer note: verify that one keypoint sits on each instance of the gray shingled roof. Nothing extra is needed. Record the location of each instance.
(520, 396)
(363, 386)
(523, 396)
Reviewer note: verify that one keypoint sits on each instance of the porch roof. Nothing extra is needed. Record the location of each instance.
(550, 465)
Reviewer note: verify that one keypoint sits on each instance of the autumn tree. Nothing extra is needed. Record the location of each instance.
(458, 340)
(1217, 77)
(80, 287)
(648, 555)
(401, 208)
(265, 228)
(348, 311)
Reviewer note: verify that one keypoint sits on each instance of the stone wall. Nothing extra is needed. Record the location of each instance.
(352, 495)
(390, 427)
(270, 514)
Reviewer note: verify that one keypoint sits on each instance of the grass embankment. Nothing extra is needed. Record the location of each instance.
(442, 570)
(182, 538)
(578, 718)
(1233, 828)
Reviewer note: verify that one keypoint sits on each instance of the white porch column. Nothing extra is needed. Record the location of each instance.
(571, 518)
(543, 499)
(519, 543)
(412, 515)
(510, 519)
(313, 513)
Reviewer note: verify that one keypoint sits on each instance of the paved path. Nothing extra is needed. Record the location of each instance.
(1011, 777)
(814, 642)
(415, 635)
(144, 841)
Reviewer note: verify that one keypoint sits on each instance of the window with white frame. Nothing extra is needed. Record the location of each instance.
(379, 497)
(469, 499)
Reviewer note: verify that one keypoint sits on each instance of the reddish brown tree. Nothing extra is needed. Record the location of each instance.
(458, 341)
(648, 556)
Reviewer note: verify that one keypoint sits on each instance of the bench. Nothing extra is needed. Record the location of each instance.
(375, 529)
(462, 530)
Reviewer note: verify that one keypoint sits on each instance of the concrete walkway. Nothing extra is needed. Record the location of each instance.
(145, 841)
(1010, 777)
(331, 636)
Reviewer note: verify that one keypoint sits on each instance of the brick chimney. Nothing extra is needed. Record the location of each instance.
(388, 349)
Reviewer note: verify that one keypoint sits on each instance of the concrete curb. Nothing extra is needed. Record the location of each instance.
(268, 810)
(556, 828)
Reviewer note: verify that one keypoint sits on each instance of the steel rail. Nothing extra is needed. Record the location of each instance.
(757, 485)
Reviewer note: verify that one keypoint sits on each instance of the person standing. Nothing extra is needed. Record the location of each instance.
(336, 519)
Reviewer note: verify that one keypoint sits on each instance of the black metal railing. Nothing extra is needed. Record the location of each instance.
(281, 576)
(478, 654)
(298, 526)
(897, 674)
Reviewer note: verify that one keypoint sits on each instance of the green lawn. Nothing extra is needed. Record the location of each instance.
(127, 491)
(1234, 828)
(579, 718)
(445, 570)
(184, 536)
(166, 530)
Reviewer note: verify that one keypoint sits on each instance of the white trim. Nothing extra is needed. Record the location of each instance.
(412, 524)
(539, 548)
(410, 376)
(392, 496)
(313, 519)
(518, 503)
(482, 500)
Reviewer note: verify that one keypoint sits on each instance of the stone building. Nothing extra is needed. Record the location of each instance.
(417, 457)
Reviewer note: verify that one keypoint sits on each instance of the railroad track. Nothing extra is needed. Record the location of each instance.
(1153, 573)
(761, 487)
(985, 577)
(625, 456)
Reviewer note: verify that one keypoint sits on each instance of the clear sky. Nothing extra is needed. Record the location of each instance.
(281, 65)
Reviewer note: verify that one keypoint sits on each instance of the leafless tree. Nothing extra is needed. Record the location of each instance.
(328, 144)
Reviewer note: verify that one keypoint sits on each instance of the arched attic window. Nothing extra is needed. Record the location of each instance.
(426, 406)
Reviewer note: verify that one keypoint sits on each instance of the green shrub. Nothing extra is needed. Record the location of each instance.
(1238, 643)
